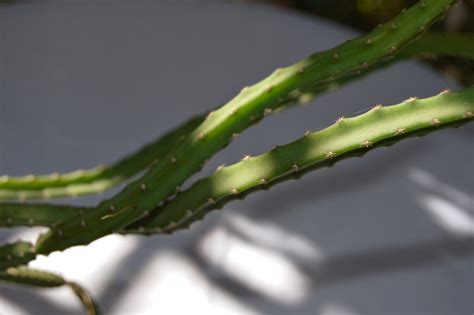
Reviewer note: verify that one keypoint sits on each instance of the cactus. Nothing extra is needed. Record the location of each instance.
(16, 254)
(348, 137)
(44, 279)
(102, 178)
(141, 207)
(94, 180)
(139, 197)
(36, 214)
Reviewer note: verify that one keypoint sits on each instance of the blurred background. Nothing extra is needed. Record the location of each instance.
(86, 82)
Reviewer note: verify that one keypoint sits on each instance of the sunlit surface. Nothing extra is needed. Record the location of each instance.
(262, 268)
(173, 284)
(450, 217)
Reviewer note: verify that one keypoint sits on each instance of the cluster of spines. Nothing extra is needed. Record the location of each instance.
(217, 130)
(102, 178)
(347, 137)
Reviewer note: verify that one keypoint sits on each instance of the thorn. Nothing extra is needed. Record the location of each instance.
(330, 155)
(142, 187)
(377, 107)
(296, 93)
(267, 111)
(83, 223)
(340, 120)
(393, 49)
(336, 56)
(220, 167)
(367, 143)
(365, 65)
(30, 178)
(269, 88)
(112, 208)
(188, 213)
(234, 191)
(233, 111)
(423, 4)
(301, 70)
(410, 99)
(173, 160)
(422, 28)
(435, 122)
(235, 135)
(200, 136)
(295, 168)
(469, 115)
(146, 213)
(245, 158)
(245, 89)
(400, 131)
(262, 181)
(393, 26)
(274, 147)
(368, 41)
(307, 133)
(177, 189)
(172, 225)
(60, 232)
(445, 91)
(211, 201)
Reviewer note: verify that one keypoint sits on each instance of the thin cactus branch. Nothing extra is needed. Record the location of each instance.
(163, 178)
(16, 254)
(348, 137)
(102, 178)
(96, 180)
(44, 279)
(36, 214)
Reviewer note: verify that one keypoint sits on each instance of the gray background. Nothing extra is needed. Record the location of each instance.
(82, 83)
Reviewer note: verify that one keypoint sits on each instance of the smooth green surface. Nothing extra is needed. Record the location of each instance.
(141, 196)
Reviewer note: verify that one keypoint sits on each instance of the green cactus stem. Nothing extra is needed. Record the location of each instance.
(36, 214)
(100, 179)
(44, 279)
(94, 180)
(348, 137)
(141, 196)
(16, 254)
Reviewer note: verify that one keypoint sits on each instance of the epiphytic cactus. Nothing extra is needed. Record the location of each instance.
(175, 157)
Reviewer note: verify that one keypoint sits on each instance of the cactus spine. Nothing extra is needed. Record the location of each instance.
(346, 138)
(102, 178)
(141, 196)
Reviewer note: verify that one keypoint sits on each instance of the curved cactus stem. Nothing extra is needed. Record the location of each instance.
(44, 279)
(348, 137)
(15, 254)
(100, 179)
(36, 214)
(138, 198)
(96, 180)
